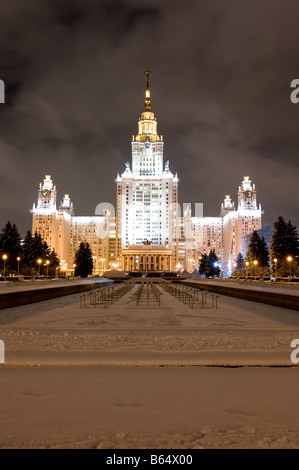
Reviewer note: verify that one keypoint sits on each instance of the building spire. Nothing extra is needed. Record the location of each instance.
(147, 102)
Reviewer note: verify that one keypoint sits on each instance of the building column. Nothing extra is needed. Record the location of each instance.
(138, 263)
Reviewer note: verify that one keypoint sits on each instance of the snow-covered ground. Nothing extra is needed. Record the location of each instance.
(269, 286)
(148, 407)
(9, 286)
(133, 376)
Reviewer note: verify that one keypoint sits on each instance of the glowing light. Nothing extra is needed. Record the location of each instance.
(4, 256)
(255, 262)
(289, 258)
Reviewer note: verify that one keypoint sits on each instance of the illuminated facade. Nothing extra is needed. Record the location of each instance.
(63, 231)
(148, 232)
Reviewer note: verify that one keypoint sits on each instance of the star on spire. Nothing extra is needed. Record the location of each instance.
(147, 102)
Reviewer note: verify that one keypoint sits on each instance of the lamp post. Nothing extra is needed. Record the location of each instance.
(255, 265)
(178, 266)
(47, 264)
(247, 267)
(4, 257)
(290, 259)
(39, 263)
(275, 264)
(94, 264)
(74, 266)
(103, 260)
(18, 260)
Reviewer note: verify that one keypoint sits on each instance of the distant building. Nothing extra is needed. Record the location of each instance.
(148, 232)
(265, 232)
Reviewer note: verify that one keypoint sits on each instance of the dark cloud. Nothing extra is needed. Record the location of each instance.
(220, 91)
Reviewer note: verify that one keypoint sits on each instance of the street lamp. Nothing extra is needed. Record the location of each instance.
(290, 259)
(255, 265)
(39, 263)
(94, 264)
(247, 267)
(102, 261)
(74, 266)
(275, 261)
(47, 264)
(18, 260)
(4, 257)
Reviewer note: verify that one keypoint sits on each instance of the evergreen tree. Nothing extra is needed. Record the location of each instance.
(34, 248)
(292, 241)
(240, 262)
(83, 260)
(203, 264)
(214, 264)
(278, 240)
(284, 243)
(257, 250)
(10, 245)
(54, 262)
(209, 265)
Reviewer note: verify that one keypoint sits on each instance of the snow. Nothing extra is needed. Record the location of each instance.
(267, 286)
(146, 376)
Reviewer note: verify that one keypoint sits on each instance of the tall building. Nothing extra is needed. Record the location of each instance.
(147, 191)
(148, 233)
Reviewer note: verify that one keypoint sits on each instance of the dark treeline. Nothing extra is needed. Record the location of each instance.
(28, 257)
(281, 260)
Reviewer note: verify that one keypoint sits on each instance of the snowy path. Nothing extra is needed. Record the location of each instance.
(148, 407)
(239, 332)
(92, 377)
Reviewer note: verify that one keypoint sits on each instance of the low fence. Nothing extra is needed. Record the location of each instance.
(15, 299)
(278, 299)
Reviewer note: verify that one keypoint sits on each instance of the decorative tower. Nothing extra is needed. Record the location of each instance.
(47, 194)
(146, 191)
(247, 195)
(227, 206)
(53, 225)
(44, 215)
(66, 205)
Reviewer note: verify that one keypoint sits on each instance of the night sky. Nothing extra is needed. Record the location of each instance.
(220, 91)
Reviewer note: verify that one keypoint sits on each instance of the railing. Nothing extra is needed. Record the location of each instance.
(105, 296)
(189, 295)
(148, 291)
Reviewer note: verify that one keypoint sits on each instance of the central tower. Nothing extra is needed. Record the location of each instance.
(146, 189)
